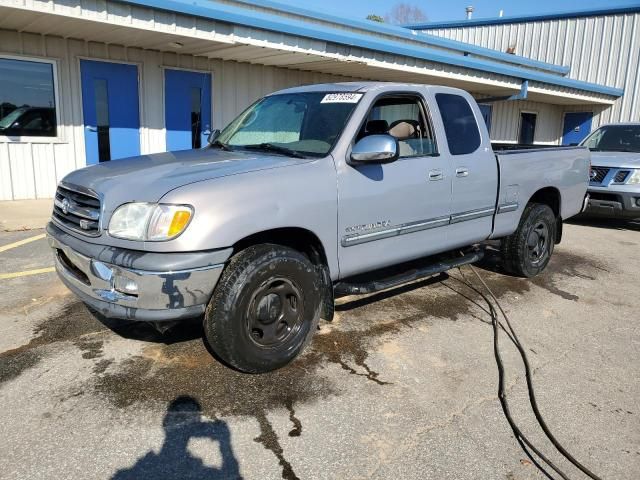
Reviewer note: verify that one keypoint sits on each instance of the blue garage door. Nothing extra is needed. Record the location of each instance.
(110, 110)
(187, 103)
(577, 126)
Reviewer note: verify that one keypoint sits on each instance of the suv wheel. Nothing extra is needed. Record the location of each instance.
(264, 309)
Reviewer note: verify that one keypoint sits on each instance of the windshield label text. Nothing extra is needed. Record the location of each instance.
(341, 98)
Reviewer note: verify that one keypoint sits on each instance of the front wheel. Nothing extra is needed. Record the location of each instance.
(528, 250)
(264, 309)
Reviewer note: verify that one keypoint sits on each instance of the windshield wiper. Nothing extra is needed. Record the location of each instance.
(222, 146)
(271, 147)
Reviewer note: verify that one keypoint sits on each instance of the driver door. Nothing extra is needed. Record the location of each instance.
(389, 213)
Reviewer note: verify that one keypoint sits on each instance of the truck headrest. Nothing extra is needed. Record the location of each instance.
(377, 126)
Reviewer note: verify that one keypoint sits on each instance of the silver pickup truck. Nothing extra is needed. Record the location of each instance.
(312, 192)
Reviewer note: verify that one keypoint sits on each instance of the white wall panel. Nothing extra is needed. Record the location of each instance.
(6, 184)
(22, 177)
(64, 160)
(44, 169)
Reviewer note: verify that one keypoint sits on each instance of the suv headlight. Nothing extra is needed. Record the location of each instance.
(635, 177)
(149, 221)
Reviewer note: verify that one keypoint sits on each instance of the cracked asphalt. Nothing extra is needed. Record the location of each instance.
(402, 384)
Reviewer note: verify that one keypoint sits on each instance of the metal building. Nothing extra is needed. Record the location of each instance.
(84, 81)
(598, 45)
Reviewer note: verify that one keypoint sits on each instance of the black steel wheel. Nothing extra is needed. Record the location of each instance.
(528, 250)
(274, 313)
(537, 243)
(264, 309)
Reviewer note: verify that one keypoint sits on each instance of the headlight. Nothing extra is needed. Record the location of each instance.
(149, 221)
(635, 177)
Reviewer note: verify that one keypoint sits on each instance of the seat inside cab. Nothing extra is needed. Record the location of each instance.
(404, 118)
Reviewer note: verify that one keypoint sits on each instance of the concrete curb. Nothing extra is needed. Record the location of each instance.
(19, 215)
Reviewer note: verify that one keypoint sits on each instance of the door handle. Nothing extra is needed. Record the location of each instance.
(435, 175)
(462, 172)
(91, 129)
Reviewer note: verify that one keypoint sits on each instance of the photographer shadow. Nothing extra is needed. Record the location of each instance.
(182, 422)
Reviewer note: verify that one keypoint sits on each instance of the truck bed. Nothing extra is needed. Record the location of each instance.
(523, 172)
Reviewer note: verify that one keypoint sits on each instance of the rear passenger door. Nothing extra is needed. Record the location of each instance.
(389, 213)
(475, 171)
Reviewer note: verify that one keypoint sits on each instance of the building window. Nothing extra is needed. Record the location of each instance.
(27, 99)
(527, 128)
(460, 126)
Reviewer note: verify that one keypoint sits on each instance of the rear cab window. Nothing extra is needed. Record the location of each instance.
(460, 125)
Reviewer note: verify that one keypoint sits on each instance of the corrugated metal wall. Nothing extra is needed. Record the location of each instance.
(32, 169)
(603, 49)
(505, 121)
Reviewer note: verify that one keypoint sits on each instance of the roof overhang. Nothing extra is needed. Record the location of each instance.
(218, 31)
(541, 17)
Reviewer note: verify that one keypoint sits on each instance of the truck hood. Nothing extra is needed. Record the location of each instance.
(615, 159)
(148, 178)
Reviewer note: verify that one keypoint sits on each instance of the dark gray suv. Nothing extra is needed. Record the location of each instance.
(614, 182)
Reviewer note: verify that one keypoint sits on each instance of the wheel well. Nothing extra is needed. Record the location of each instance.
(300, 239)
(548, 196)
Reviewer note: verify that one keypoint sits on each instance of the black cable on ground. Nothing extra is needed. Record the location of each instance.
(523, 441)
(532, 398)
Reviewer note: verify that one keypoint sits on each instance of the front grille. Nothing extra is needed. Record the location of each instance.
(598, 174)
(621, 176)
(77, 210)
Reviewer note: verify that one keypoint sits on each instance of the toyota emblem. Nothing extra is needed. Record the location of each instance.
(65, 206)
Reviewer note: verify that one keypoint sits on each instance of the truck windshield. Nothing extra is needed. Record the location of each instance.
(293, 124)
(614, 138)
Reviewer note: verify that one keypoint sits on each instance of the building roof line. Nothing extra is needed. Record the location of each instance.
(524, 18)
(401, 32)
(251, 18)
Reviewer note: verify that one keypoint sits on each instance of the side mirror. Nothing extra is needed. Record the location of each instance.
(213, 135)
(375, 149)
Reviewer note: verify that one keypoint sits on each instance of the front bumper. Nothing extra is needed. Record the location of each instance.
(178, 286)
(614, 204)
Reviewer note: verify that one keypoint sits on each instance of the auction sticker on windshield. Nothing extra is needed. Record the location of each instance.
(341, 98)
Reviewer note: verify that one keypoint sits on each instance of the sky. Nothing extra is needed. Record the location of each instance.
(454, 9)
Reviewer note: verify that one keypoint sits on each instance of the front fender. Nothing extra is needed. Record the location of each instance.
(228, 209)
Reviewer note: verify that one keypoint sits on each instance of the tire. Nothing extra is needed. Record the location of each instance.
(528, 250)
(264, 309)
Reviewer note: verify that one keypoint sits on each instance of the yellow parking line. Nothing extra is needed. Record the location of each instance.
(5, 276)
(4, 248)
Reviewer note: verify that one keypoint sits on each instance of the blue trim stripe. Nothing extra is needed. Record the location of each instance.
(255, 19)
(401, 32)
(524, 18)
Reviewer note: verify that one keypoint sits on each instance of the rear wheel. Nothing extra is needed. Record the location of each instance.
(264, 309)
(528, 250)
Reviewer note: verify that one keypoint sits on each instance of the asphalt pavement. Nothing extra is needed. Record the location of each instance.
(402, 384)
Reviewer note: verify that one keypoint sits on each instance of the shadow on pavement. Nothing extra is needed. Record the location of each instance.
(186, 330)
(608, 223)
(182, 422)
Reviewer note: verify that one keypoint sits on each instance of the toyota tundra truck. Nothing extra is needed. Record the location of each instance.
(311, 193)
